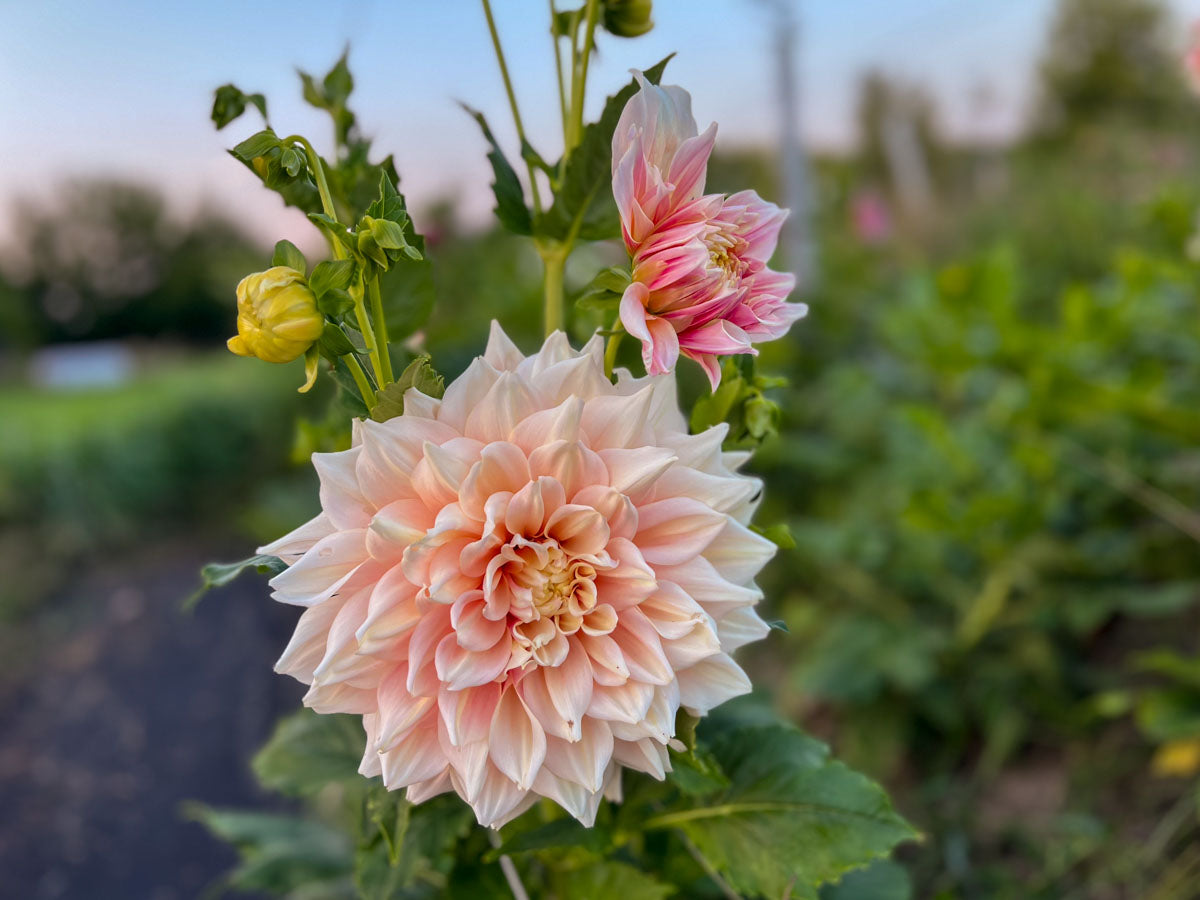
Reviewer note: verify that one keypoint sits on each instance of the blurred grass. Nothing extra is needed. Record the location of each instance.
(86, 472)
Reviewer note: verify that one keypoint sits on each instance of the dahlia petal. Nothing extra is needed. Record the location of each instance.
(571, 463)
(570, 687)
(498, 799)
(739, 554)
(615, 421)
(721, 492)
(507, 402)
(467, 714)
(472, 629)
(419, 405)
(704, 584)
(626, 702)
(296, 543)
(644, 755)
(370, 765)
(631, 471)
(690, 165)
(501, 352)
(434, 625)
(501, 467)
(459, 668)
(466, 392)
(559, 423)
(469, 762)
(710, 683)
(528, 508)
(676, 529)
(415, 759)
(585, 761)
(519, 756)
(741, 626)
(399, 711)
(318, 574)
(618, 510)
(579, 530)
(341, 498)
(641, 648)
(427, 790)
(307, 646)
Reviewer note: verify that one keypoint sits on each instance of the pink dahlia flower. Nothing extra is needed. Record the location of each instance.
(518, 586)
(701, 286)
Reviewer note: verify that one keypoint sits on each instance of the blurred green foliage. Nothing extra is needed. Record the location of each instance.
(88, 471)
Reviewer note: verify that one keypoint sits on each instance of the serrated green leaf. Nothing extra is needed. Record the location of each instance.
(791, 816)
(288, 254)
(308, 751)
(338, 81)
(258, 144)
(389, 204)
(419, 374)
(583, 203)
(331, 275)
(220, 574)
(510, 195)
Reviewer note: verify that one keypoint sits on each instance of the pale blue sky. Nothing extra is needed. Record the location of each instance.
(124, 87)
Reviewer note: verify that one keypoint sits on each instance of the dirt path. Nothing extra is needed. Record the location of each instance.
(115, 709)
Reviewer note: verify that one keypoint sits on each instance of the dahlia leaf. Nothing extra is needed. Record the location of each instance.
(603, 878)
(419, 374)
(510, 195)
(884, 879)
(308, 752)
(791, 816)
(229, 102)
(220, 574)
(563, 832)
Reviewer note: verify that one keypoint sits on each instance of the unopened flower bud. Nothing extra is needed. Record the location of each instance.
(277, 317)
(628, 18)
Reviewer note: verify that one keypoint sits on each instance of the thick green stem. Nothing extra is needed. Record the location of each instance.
(360, 379)
(555, 261)
(512, 102)
(614, 344)
(381, 332)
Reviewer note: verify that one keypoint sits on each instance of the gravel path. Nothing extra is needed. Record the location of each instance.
(115, 709)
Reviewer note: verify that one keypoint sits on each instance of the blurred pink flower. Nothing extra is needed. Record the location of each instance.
(517, 586)
(1191, 60)
(701, 286)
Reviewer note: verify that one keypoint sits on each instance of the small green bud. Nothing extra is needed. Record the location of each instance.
(628, 18)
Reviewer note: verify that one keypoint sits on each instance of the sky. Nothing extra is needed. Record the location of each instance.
(124, 87)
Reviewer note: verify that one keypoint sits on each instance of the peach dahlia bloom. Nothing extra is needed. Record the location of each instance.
(518, 586)
(701, 286)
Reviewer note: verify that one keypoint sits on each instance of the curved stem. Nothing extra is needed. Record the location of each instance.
(368, 333)
(614, 344)
(381, 333)
(318, 170)
(512, 102)
(360, 379)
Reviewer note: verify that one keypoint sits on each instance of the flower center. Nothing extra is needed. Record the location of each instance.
(725, 249)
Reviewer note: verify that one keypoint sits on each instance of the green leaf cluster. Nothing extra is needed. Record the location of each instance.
(740, 401)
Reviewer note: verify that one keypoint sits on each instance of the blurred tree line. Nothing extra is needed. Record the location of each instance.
(107, 259)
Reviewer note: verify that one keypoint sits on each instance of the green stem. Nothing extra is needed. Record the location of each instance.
(558, 70)
(579, 82)
(360, 379)
(614, 344)
(381, 333)
(555, 261)
(512, 102)
(318, 170)
(368, 333)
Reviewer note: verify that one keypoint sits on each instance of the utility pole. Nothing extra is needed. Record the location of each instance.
(799, 242)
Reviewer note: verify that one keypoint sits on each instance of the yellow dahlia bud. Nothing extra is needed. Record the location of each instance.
(627, 18)
(277, 317)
